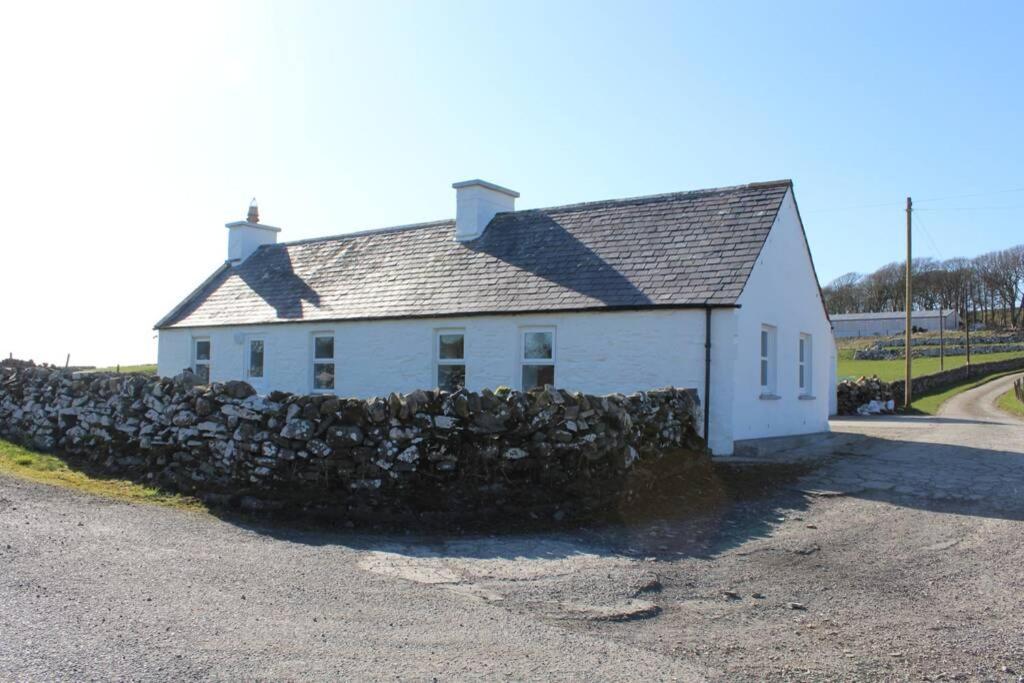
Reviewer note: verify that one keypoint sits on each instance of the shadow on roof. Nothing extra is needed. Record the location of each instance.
(534, 242)
(270, 275)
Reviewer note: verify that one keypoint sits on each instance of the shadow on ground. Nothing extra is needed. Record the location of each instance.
(737, 504)
(937, 477)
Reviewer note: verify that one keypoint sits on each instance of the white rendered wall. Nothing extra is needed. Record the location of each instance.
(782, 291)
(597, 353)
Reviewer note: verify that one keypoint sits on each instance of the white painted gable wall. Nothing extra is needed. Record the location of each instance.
(782, 291)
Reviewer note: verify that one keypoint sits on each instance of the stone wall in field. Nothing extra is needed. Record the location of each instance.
(954, 345)
(462, 454)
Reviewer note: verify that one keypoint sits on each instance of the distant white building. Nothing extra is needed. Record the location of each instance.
(891, 322)
(712, 290)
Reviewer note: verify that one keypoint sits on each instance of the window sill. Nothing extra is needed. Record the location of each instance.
(806, 397)
(769, 397)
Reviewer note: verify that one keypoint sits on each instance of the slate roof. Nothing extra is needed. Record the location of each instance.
(671, 250)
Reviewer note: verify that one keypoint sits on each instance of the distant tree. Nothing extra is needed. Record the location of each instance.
(989, 287)
(842, 295)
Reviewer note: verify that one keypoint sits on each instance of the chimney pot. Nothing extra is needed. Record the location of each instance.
(245, 237)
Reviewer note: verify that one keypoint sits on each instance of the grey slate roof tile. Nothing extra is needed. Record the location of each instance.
(680, 249)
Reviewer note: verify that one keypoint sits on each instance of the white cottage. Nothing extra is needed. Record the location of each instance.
(711, 289)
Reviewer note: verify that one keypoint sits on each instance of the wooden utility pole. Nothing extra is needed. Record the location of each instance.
(967, 331)
(942, 343)
(907, 392)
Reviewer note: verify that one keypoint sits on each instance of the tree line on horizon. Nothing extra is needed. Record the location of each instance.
(988, 288)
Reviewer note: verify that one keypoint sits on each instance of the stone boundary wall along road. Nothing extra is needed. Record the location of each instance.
(426, 453)
(854, 395)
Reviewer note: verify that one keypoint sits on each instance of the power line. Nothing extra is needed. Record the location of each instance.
(974, 208)
(976, 194)
(859, 206)
(878, 205)
(928, 234)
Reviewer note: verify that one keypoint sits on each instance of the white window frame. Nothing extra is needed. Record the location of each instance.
(247, 359)
(524, 361)
(196, 362)
(438, 361)
(314, 361)
(804, 373)
(768, 361)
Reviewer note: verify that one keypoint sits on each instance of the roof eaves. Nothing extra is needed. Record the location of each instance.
(474, 314)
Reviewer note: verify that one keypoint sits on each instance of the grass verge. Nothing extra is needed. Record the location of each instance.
(929, 403)
(1008, 403)
(49, 469)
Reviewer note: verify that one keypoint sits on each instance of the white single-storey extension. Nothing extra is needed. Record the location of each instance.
(713, 290)
(887, 323)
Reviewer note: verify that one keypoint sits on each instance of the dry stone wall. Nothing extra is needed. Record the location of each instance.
(892, 348)
(451, 455)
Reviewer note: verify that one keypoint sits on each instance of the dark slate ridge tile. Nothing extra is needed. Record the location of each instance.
(687, 248)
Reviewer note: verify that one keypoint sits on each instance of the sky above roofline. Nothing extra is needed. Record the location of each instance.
(343, 115)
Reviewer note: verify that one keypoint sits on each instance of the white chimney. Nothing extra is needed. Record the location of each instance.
(245, 237)
(476, 202)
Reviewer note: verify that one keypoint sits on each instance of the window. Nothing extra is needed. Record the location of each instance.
(254, 359)
(538, 358)
(201, 360)
(450, 354)
(767, 360)
(323, 362)
(804, 361)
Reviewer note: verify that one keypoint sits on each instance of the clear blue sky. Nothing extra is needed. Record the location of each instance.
(133, 133)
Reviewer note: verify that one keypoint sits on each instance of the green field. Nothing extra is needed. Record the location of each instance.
(144, 369)
(890, 370)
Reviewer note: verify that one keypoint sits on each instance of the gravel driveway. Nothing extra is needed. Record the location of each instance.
(898, 558)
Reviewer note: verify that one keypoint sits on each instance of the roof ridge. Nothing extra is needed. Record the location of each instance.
(363, 233)
(623, 201)
(665, 196)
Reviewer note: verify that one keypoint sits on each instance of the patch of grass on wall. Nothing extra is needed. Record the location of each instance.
(1008, 402)
(49, 469)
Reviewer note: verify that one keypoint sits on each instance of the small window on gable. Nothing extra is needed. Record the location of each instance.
(254, 358)
(201, 359)
(804, 365)
(538, 358)
(767, 365)
(323, 362)
(450, 357)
